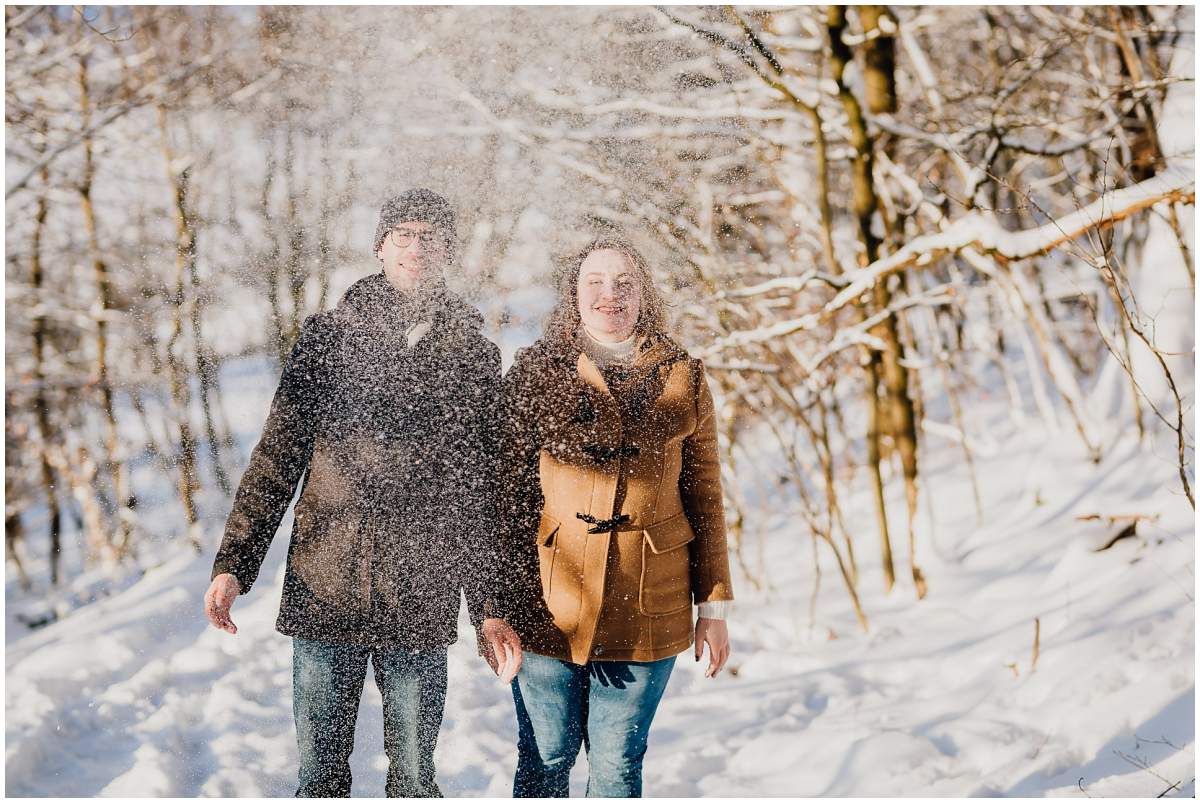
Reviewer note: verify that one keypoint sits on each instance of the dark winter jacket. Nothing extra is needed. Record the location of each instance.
(612, 497)
(395, 515)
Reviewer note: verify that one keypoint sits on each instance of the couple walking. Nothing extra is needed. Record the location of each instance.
(576, 504)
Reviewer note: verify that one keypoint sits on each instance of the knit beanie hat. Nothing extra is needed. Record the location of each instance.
(421, 205)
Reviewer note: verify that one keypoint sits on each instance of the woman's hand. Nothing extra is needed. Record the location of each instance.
(715, 634)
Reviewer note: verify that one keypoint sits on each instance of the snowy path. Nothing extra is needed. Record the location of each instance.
(134, 696)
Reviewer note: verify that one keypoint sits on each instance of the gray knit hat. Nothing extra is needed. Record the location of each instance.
(421, 205)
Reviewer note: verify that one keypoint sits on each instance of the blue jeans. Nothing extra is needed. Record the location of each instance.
(606, 705)
(327, 683)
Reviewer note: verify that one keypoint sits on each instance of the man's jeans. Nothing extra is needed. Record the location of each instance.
(607, 706)
(327, 682)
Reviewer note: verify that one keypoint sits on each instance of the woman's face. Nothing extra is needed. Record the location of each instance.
(610, 296)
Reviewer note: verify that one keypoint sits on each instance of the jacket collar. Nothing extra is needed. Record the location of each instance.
(653, 351)
(374, 303)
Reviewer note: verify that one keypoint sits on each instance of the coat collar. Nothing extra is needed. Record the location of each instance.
(653, 351)
(374, 304)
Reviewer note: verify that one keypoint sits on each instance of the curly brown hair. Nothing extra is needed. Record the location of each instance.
(564, 320)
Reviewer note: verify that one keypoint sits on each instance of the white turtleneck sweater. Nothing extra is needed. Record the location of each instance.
(605, 354)
(622, 353)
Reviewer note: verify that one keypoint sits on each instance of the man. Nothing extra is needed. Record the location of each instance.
(389, 402)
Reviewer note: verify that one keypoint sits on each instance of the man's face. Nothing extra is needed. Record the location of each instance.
(413, 254)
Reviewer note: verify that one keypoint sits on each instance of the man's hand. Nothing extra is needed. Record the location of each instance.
(219, 599)
(715, 634)
(498, 640)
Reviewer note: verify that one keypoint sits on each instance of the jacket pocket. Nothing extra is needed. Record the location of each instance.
(547, 541)
(330, 555)
(665, 586)
(304, 518)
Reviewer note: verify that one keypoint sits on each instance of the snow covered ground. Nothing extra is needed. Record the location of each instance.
(133, 695)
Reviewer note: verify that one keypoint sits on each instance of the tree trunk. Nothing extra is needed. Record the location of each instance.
(272, 268)
(181, 395)
(13, 533)
(324, 246)
(880, 84)
(296, 274)
(874, 458)
(116, 470)
(894, 375)
(206, 363)
(47, 435)
(14, 530)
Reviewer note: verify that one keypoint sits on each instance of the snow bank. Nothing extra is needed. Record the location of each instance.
(134, 695)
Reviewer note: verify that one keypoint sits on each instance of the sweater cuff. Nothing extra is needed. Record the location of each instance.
(714, 610)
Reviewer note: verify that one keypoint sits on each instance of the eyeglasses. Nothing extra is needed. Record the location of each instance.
(403, 238)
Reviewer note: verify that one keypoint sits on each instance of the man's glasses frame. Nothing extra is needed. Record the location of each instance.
(403, 238)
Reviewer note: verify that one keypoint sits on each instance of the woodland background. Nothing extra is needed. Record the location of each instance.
(901, 238)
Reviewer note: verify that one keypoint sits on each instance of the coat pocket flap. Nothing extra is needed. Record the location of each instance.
(669, 534)
(547, 529)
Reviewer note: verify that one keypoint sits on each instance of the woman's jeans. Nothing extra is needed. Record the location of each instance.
(606, 705)
(327, 682)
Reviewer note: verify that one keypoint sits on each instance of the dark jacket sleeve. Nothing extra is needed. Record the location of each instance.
(519, 496)
(481, 405)
(279, 459)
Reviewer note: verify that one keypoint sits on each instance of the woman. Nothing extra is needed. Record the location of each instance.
(615, 476)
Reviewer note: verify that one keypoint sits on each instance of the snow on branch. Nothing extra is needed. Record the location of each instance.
(790, 283)
(741, 365)
(953, 142)
(699, 112)
(982, 231)
(860, 333)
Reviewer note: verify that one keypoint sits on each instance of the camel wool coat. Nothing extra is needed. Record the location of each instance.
(611, 491)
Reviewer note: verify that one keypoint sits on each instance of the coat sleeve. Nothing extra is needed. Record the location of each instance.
(480, 557)
(278, 460)
(700, 487)
(519, 496)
